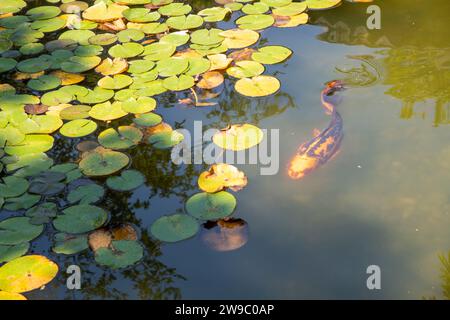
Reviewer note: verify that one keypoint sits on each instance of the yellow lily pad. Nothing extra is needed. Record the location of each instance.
(258, 86)
(238, 137)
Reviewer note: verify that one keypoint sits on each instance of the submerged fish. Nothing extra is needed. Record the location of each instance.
(325, 144)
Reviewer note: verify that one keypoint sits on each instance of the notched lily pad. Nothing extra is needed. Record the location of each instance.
(211, 206)
(174, 228)
(120, 254)
(80, 219)
(127, 181)
(103, 162)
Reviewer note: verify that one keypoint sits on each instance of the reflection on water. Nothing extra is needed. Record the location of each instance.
(225, 235)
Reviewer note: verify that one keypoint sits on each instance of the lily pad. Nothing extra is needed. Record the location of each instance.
(103, 39)
(43, 12)
(11, 6)
(70, 243)
(127, 181)
(172, 66)
(107, 111)
(255, 8)
(42, 213)
(120, 254)
(102, 12)
(221, 176)
(245, 69)
(122, 138)
(149, 119)
(191, 21)
(78, 64)
(27, 273)
(118, 81)
(80, 36)
(211, 206)
(8, 253)
(165, 140)
(126, 50)
(322, 4)
(174, 228)
(141, 15)
(33, 143)
(98, 95)
(238, 38)
(175, 9)
(86, 194)
(18, 230)
(271, 54)
(276, 3)
(48, 183)
(291, 9)
(75, 112)
(214, 14)
(80, 219)
(7, 64)
(26, 200)
(177, 38)
(158, 51)
(180, 83)
(103, 162)
(238, 137)
(258, 86)
(139, 105)
(44, 83)
(255, 21)
(140, 66)
(78, 128)
(13, 187)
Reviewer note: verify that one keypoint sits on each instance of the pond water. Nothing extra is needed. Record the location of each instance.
(382, 200)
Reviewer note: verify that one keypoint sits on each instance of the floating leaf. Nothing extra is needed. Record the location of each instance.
(238, 137)
(139, 105)
(197, 66)
(207, 36)
(219, 61)
(33, 143)
(78, 64)
(292, 21)
(255, 8)
(159, 50)
(175, 9)
(277, 3)
(11, 296)
(118, 81)
(140, 66)
(107, 111)
(48, 183)
(210, 80)
(78, 128)
(174, 228)
(258, 86)
(291, 9)
(238, 38)
(26, 200)
(33, 65)
(80, 219)
(271, 54)
(7, 64)
(11, 6)
(147, 119)
(31, 48)
(86, 194)
(214, 14)
(44, 83)
(126, 50)
(18, 230)
(27, 273)
(67, 78)
(255, 21)
(322, 4)
(185, 22)
(129, 35)
(121, 254)
(141, 15)
(43, 12)
(221, 176)
(177, 38)
(180, 83)
(154, 28)
(13, 187)
(101, 12)
(42, 213)
(103, 162)
(127, 181)
(80, 36)
(122, 138)
(8, 253)
(98, 95)
(104, 39)
(211, 206)
(245, 69)
(75, 112)
(166, 139)
(172, 66)
(69, 243)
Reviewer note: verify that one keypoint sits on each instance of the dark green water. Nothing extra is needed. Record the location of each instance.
(384, 199)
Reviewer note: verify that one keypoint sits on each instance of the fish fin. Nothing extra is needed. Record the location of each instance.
(316, 132)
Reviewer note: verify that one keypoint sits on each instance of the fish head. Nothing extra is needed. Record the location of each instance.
(334, 86)
(301, 164)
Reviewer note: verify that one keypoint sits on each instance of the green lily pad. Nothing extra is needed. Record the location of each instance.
(18, 230)
(152, 88)
(255, 21)
(13, 187)
(48, 183)
(197, 66)
(86, 194)
(7, 64)
(104, 39)
(55, 98)
(276, 3)
(42, 213)
(207, 36)
(129, 35)
(43, 12)
(78, 64)
(174, 228)
(172, 66)
(211, 206)
(245, 69)
(177, 38)
(122, 138)
(71, 171)
(140, 66)
(80, 36)
(98, 95)
(214, 14)
(180, 83)
(116, 82)
(158, 50)
(27, 273)
(70, 243)
(103, 162)
(191, 21)
(255, 8)
(49, 25)
(165, 140)
(34, 65)
(5, 45)
(141, 15)
(8, 253)
(75, 112)
(127, 181)
(78, 128)
(120, 254)
(271, 54)
(291, 9)
(44, 83)
(175, 9)
(147, 119)
(33, 143)
(107, 111)
(139, 105)
(11, 6)
(25, 201)
(32, 48)
(80, 219)
(322, 4)
(89, 50)
(126, 50)
(154, 28)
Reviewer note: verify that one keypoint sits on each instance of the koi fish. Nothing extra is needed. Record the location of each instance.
(325, 144)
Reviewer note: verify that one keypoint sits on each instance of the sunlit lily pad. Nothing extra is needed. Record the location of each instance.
(211, 206)
(221, 176)
(141, 15)
(180, 83)
(43, 12)
(78, 64)
(74, 112)
(291, 21)
(139, 105)
(140, 66)
(210, 80)
(80, 36)
(172, 66)
(197, 65)
(107, 111)
(271, 54)
(174, 228)
(86, 194)
(277, 3)
(130, 35)
(165, 140)
(70, 243)
(27, 273)
(18, 230)
(149, 119)
(120, 254)
(126, 50)
(88, 50)
(238, 38)
(322, 4)
(154, 28)
(80, 219)
(116, 82)
(101, 12)
(291, 9)
(103, 39)
(177, 38)
(245, 69)
(98, 95)
(33, 143)
(8, 253)
(78, 128)
(214, 14)
(255, 21)
(238, 137)
(258, 86)
(103, 162)
(11, 296)
(255, 8)
(11, 6)
(159, 50)
(122, 138)
(127, 181)
(175, 9)
(191, 21)
(42, 213)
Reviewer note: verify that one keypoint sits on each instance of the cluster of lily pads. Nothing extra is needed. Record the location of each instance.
(138, 49)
